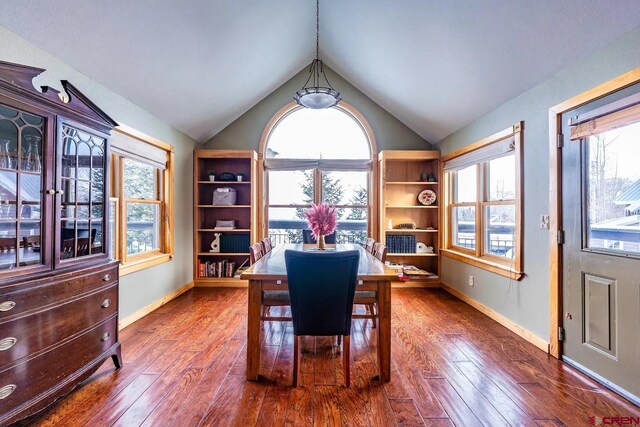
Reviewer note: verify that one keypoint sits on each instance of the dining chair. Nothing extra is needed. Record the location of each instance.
(256, 251)
(322, 288)
(269, 298)
(368, 244)
(8, 244)
(31, 241)
(380, 251)
(266, 245)
(307, 237)
(369, 298)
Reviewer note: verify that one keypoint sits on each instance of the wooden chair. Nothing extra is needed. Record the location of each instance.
(307, 237)
(31, 241)
(322, 288)
(266, 245)
(269, 298)
(380, 251)
(71, 249)
(368, 244)
(368, 298)
(8, 244)
(256, 251)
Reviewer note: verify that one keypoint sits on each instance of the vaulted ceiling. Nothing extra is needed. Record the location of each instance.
(436, 65)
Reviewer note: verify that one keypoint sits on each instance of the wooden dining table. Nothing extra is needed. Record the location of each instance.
(270, 274)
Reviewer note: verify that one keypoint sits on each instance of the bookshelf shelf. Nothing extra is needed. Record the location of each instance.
(234, 243)
(400, 172)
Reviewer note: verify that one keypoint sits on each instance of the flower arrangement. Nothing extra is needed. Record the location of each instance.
(322, 220)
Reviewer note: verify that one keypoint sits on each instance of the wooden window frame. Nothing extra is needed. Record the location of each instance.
(317, 194)
(164, 199)
(478, 257)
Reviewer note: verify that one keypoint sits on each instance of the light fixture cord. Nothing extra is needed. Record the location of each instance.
(317, 70)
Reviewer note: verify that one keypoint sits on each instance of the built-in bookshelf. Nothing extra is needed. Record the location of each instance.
(220, 268)
(401, 181)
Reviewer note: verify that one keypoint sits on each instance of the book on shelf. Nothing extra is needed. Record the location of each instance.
(401, 244)
(224, 268)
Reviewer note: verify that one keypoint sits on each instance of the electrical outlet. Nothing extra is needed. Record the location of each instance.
(471, 280)
(544, 222)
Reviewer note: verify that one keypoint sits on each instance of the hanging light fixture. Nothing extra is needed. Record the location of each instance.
(315, 96)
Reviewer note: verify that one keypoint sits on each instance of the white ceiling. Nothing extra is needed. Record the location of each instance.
(436, 65)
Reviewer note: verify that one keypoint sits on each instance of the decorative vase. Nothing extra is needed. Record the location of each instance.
(212, 178)
(320, 243)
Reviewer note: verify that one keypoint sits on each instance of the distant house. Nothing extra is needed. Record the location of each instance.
(622, 233)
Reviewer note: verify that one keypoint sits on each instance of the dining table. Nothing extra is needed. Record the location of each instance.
(270, 274)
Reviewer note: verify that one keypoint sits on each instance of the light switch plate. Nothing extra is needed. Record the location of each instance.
(544, 222)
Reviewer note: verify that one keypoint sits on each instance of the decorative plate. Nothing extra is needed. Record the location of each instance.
(427, 197)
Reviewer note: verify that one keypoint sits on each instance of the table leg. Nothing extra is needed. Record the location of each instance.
(384, 330)
(253, 329)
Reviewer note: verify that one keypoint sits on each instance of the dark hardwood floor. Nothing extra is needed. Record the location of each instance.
(184, 365)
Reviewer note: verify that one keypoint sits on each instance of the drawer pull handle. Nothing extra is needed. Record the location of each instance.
(106, 278)
(7, 390)
(105, 336)
(7, 343)
(106, 303)
(7, 305)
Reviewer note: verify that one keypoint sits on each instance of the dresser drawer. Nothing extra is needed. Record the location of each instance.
(28, 379)
(30, 334)
(17, 300)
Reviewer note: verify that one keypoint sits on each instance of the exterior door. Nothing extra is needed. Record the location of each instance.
(601, 253)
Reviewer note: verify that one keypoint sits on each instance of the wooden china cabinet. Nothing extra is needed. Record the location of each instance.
(58, 287)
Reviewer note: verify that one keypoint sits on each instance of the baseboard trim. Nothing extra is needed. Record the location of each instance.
(123, 323)
(507, 323)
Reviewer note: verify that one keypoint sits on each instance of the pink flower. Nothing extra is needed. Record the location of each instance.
(322, 219)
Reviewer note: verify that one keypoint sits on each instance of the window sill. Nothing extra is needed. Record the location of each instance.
(133, 266)
(494, 267)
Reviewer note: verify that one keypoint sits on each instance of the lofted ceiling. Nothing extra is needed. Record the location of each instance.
(435, 65)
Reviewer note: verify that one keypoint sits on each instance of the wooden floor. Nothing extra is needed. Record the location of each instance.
(184, 365)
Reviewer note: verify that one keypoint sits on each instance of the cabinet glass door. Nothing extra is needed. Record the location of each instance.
(21, 188)
(82, 182)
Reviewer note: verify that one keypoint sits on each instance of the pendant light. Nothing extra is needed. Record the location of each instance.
(315, 96)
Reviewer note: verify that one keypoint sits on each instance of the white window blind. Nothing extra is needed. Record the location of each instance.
(138, 150)
(492, 151)
(322, 164)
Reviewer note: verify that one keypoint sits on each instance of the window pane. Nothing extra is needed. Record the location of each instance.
(143, 227)
(113, 211)
(352, 226)
(318, 134)
(345, 188)
(8, 245)
(465, 189)
(286, 225)
(502, 178)
(614, 190)
(500, 225)
(139, 180)
(290, 187)
(463, 226)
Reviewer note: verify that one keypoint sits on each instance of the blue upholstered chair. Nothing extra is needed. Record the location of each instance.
(322, 288)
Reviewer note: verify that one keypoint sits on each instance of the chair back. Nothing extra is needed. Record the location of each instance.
(8, 244)
(368, 244)
(307, 237)
(380, 251)
(266, 245)
(322, 287)
(33, 241)
(256, 251)
(72, 248)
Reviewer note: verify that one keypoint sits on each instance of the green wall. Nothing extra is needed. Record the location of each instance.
(527, 302)
(244, 132)
(139, 289)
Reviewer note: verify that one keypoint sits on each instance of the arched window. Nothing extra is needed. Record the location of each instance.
(314, 156)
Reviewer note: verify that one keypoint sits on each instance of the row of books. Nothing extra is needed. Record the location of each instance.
(401, 244)
(224, 268)
(235, 243)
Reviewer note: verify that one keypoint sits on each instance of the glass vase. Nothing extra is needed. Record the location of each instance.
(320, 243)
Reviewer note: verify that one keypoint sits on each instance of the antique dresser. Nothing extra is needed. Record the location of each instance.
(58, 286)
